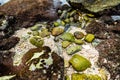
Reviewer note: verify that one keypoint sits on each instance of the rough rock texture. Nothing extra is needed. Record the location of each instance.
(110, 57)
(95, 5)
(5, 62)
(27, 12)
(8, 43)
(99, 30)
(54, 71)
(116, 27)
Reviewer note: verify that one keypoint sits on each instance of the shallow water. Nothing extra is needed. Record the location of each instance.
(3, 1)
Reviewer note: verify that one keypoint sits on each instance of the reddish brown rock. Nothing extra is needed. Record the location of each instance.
(8, 43)
(109, 57)
(98, 29)
(27, 12)
(53, 71)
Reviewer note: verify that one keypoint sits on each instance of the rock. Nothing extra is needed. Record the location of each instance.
(27, 12)
(5, 62)
(8, 43)
(57, 31)
(109, 57)
(116, 28)
(98, 29)
(94, 5)
(46, 66)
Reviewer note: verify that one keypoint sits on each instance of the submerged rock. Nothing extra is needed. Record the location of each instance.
(94, 5)
(27, 12)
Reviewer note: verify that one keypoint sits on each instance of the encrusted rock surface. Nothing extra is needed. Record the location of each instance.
(94, 5)
(51, 70)
(27, 12)
(110, 57)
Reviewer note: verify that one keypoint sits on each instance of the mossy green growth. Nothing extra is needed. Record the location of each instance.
(62, 23)
(65, 44)
(68, 37)
(67, 77)
(35, 27)
(73, 49)
(57, 31)
(78, 41)
(77, 76)
(56, 24)
(93, 77)
(44, 33)
(79, 63)
(66, 63)
(67, 20)
(36, 41)
(35, 33)
(89, 37)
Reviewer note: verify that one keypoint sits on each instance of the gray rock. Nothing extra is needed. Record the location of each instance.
(95, 5)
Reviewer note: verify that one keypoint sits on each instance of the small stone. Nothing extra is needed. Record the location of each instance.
(57, 31)
(73, 49)
(89, 37)
(78, 35)
(68, 37)
(79, 63)
(36, 41)
(78, 41)
(65, 44)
